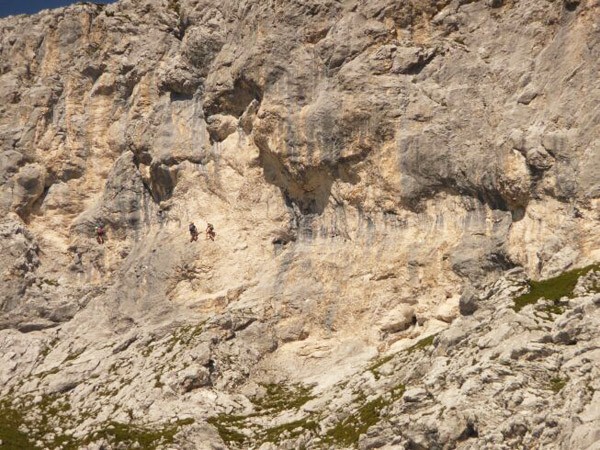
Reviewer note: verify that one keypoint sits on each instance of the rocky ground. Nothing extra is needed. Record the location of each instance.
(516, 370)
(387, 181)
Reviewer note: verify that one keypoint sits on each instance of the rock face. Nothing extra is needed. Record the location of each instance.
(377, 173)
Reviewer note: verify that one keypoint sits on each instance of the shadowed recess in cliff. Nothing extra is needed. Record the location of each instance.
(426, 173)
(235, 100)
(126, 206)
(157, 179)
(308, 192)
(310, 195)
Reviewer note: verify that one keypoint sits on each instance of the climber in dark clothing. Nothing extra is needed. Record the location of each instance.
(100, 233)
(210, 232)
(193, 232)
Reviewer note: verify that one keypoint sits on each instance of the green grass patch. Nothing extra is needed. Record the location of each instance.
(277, 398)
(185, 335)
(147, 437)
(555, 308)
(557, 383)
(188, 333)
(227, 426)
(38, 419)
(241, 431)
(23, 424)
(11, 422)
(422, 344)
(553, 289)
(347, 432)
(290, 430)
(397, 392)
(280, 397)
(378, 363)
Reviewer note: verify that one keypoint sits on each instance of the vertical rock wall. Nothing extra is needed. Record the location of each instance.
(364, 164)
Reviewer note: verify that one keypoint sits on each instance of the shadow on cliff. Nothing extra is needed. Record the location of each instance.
(307, 193)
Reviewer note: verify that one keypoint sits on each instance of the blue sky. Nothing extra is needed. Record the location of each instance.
(8, 7)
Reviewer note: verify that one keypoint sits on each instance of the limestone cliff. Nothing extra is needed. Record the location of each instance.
(384, 178)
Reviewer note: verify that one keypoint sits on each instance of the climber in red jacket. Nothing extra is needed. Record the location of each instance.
(100, 233)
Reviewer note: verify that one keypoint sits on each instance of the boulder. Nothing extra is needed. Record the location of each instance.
(399, 319)
(467, 303)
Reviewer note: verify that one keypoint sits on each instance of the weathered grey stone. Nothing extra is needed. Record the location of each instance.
(219, 126)
(539, 158)
(415, 395)
(468, 302)
(194, 378)
(399, 319)
(355, 158)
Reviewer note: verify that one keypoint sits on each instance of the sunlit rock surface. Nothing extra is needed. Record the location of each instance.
(372, 170)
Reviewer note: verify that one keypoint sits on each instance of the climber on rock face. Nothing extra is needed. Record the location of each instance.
(210, 232)
(100, 233)
(193, 232)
